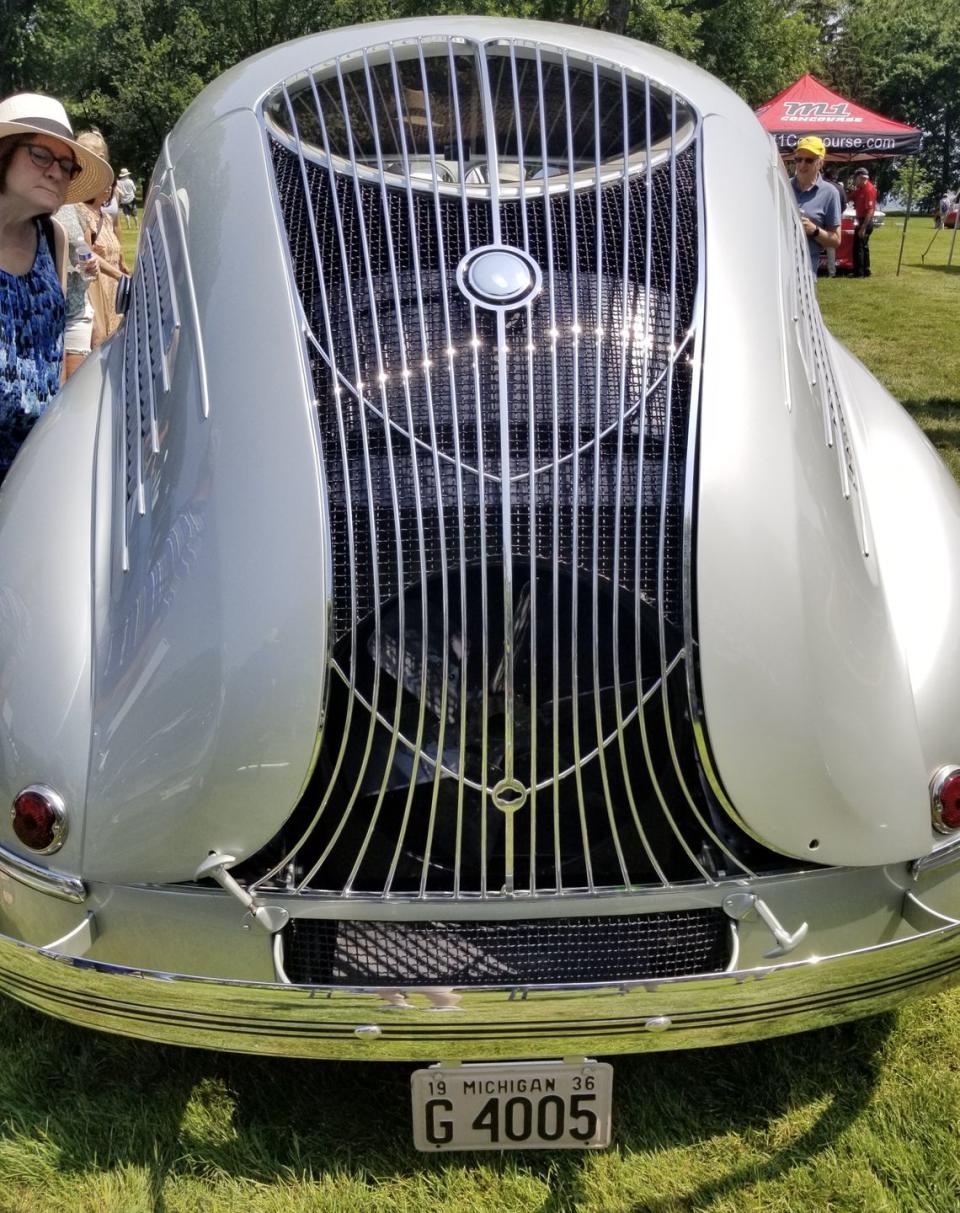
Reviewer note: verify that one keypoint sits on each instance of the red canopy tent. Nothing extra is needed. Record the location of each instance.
(849, 131)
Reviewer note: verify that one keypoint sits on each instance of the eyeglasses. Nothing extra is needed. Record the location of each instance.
(806, 159)
(42, 157)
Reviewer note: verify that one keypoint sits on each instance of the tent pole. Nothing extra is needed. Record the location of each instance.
(906, 218)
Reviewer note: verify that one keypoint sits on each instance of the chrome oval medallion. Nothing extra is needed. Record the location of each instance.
(499, 277)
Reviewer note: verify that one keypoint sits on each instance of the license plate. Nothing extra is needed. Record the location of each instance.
(523, 1105)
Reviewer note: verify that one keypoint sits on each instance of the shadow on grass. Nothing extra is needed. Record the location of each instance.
(689, 1098)
(939, 418)
(936, 269)
(104, 1102)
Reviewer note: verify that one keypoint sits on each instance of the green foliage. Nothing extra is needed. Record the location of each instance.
(902, 58)
(758, 47)
(916, 177)
(132, 66)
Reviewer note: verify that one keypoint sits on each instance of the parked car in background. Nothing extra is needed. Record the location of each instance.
(472, 613)
(848, 227)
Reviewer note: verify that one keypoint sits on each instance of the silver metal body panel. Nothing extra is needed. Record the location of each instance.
(809, 694)
(166, 638)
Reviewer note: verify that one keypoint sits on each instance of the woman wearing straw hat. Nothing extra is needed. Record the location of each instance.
(41, 167)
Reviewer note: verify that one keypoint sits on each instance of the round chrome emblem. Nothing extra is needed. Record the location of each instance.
(499, 277)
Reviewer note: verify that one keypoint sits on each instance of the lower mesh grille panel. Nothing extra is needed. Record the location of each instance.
(531, 952)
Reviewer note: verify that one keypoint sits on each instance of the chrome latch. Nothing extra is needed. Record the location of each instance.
(271, 918)
(741, 906)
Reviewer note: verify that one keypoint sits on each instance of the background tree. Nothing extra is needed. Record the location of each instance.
(132, 66)
(902, 58)
(758, 47)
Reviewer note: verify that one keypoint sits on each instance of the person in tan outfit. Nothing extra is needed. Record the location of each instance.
(103, 239)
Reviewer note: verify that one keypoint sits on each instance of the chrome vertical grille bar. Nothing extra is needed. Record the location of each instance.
(140, 355)
(624, 352)
(145, 363)
(648, 336)
(388, 444)
(406, 375)
(555, 482)
(169, 306)
(150, 263)
(531, 483)
(575, 487)
(462, 736)
(482, 477)
(597, 438)
(458, 503)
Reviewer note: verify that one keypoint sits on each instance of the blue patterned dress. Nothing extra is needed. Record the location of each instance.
(31, 347)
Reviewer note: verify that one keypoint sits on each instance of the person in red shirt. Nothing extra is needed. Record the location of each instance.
(864, 198)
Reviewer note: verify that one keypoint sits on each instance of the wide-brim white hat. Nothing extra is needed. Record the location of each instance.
(32, 112)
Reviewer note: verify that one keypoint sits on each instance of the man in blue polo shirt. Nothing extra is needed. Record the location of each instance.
(817, 199)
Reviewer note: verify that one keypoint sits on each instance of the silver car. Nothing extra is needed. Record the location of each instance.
(474, 611)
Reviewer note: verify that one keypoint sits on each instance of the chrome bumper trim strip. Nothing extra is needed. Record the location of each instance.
(43, 880)
(486, 1023)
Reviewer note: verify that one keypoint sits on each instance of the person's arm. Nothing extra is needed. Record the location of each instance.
(91, 238)
(60, 252)
(868, 213)
(827, 237)
(827, 234)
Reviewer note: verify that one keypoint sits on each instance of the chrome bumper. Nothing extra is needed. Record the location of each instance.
(433, 1024)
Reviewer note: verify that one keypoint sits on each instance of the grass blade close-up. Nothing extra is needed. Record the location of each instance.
(860, 1116)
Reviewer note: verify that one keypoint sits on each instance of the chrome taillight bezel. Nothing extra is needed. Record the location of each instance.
(940, 778)
(55, 803)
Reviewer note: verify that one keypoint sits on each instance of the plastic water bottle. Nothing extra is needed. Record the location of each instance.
(84, 258)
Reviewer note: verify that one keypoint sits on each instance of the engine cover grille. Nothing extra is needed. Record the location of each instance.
(526, 952)
(508, 489)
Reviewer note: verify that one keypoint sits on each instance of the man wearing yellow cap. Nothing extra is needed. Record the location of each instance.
(817, 199)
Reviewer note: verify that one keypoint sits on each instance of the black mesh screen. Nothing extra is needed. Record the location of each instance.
(533, 951)
(406, 248)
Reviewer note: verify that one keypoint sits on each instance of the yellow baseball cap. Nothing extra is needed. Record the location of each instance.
(813, 144)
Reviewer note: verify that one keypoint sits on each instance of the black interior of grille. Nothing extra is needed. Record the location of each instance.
(536, 951)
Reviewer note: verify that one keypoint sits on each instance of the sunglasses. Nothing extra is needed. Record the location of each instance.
(42, 157)
(806, 159)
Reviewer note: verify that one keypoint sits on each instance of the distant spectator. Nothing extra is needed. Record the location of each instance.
(41, 167)
(127, 192)
(831, 176)
(818, 201)
(864, 203)
(98, 216)
(82, 268)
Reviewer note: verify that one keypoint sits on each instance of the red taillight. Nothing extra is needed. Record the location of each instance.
(945, 799)
(39, 819)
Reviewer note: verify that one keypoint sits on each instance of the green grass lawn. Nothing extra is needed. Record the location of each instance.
(860, 1117)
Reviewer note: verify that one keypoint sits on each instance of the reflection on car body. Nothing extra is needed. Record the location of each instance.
(491, 622)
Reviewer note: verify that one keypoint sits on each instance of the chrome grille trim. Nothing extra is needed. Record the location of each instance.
(412, 370)
(821, 372)
(149, 336)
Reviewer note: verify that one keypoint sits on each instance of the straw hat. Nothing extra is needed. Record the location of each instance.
(27, 113)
